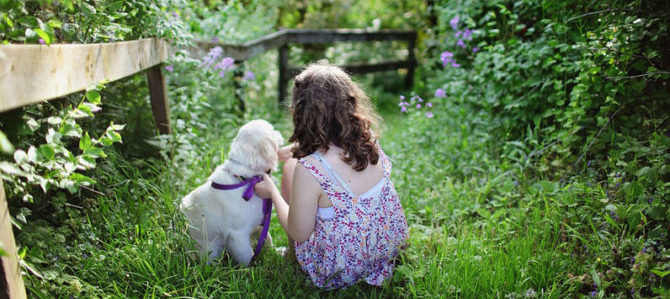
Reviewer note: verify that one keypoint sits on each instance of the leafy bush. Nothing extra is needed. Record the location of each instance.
(573, 95)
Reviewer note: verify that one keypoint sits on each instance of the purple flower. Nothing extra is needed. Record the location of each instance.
(458, 33)
(460, 43)
(212, 56)
(249, 76)
(475, 49)
(42, 42)
(215, 39)
(429, 114)
(440, 93)
(225, 64)
(169, 68)
(446, 57)
(588, 164)
(418, 106)
(651, 200)
(454, 22)
(420, 99)
(454, 64)
(429, 105)
(403, 109)
(593, 293)
(467, 34)
(175, 14)
(644, 250)
(402, 97)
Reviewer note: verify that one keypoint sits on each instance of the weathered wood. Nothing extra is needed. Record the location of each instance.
(11, 282)
(35, 73)
(159, 101)
(277, 39)
(409, 78)
(322, 36)
(249, 49)
(282, 61)
(365, 68)
(238, 74)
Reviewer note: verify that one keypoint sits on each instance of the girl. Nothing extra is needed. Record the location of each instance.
(338, 205)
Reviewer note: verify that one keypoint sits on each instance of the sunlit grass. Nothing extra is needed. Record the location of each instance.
(477, 228)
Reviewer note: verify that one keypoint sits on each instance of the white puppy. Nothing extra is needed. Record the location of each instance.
(222, 219)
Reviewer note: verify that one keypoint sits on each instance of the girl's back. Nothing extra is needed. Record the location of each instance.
(360, 234)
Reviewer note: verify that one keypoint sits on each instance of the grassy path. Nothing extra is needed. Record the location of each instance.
(133, 243)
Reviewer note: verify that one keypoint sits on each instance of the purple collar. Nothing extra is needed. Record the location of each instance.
(246, 195)
(248, 192)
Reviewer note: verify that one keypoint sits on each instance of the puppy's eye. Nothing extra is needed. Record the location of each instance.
(269, 171)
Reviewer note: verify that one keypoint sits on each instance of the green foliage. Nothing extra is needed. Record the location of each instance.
(571, 96)
(542, 172)
(90, 21)
(53, 164)
(236, 22)
(586, 82)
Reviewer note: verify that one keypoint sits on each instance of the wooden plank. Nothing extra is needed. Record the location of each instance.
(275, 40)
(365, 68)
(11, 282)
(284, 76)
(249, 49)
(35, 73)
(323, 36)
(159, 100)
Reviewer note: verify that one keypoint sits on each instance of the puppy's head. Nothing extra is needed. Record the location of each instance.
(254, 149)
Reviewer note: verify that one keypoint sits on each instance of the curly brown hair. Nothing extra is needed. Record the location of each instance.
(329, 108)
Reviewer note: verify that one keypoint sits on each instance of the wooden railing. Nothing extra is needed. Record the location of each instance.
(35, 73)
(282, 39)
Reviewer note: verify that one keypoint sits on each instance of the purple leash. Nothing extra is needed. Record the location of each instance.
(248, 193)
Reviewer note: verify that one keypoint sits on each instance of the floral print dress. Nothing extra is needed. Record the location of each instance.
(363, 237)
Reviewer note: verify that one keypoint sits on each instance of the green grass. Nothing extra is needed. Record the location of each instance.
(478, 227)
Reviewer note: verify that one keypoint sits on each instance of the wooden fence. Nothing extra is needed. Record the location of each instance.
(282, 39)
(35, 73)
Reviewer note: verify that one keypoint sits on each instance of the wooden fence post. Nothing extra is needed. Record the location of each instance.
(409, 78)
(238, 74)
(159, 100)
(283, 72)
(11, 282)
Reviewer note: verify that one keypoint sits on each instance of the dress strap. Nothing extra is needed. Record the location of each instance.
(333, 175)
(318, 173)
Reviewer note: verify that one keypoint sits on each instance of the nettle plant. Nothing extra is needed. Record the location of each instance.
(54, 164)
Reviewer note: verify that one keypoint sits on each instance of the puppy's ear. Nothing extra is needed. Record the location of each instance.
(268, 150)
(278, 139)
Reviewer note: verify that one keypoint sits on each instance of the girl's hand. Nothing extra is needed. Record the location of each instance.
(284, 153)
(265, 188)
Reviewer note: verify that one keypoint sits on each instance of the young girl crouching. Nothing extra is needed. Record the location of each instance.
(344, 216)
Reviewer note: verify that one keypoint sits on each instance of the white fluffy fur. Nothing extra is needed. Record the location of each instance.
(221, 219)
